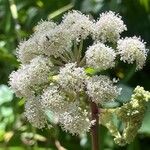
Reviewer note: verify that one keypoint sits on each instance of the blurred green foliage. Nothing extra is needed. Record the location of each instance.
(17, 21)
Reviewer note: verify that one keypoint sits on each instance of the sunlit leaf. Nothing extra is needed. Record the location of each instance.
(8, 136)
(6, 95)
(2, 132)
(6, 111)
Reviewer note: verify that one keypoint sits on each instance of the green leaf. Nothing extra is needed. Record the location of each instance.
(146, 4)
(90, 71)
(112, 104)
(6, 111)
(126, 93)
(2, 133)
(6, 95)
(51, 117)
(145, 129)
(91, 6)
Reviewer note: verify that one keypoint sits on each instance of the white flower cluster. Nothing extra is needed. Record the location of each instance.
(52, 76)
(77, 121)
(44, 26)
(100, 56)
(72, 77)
(27, 50)
(131, 50)
(101, 89)
(34, 113)
(109, 27)
(80, 26)
(69, 114)
(53, 99)
(55, 42)
(29, 77)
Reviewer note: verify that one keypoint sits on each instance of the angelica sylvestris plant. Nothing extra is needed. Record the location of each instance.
(54, 75)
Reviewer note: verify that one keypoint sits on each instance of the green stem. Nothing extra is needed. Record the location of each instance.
(75, 50)
(80, 51)
(94, 128)
(82, 62)
(14, 13)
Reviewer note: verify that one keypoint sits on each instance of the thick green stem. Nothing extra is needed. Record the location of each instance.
(94, 128)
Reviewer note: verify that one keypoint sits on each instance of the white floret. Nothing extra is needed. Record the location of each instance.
(79, 25)
(75, 121)
(34, 113)
(132, 49)
(55, 42)
(100, 56)
(109, 27)
(24, 80)
(101, 89)
(72, 77)
(44, 26)
(53, 99)
(28, 50)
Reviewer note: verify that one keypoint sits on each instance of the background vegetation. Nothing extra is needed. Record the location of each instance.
(17, 21)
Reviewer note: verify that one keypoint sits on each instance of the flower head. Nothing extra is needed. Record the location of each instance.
(34, 113)
(55, 42)
(109, 27)
(101, 89)
(44, 26)
(31, 76)
(100, 56)
(72, 77)
(79, 25)
(131, 50)
(29, 49)
(54, 99)
(75, 120)
(53, 76)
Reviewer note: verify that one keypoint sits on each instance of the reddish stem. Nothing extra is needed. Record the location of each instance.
(94, 128)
